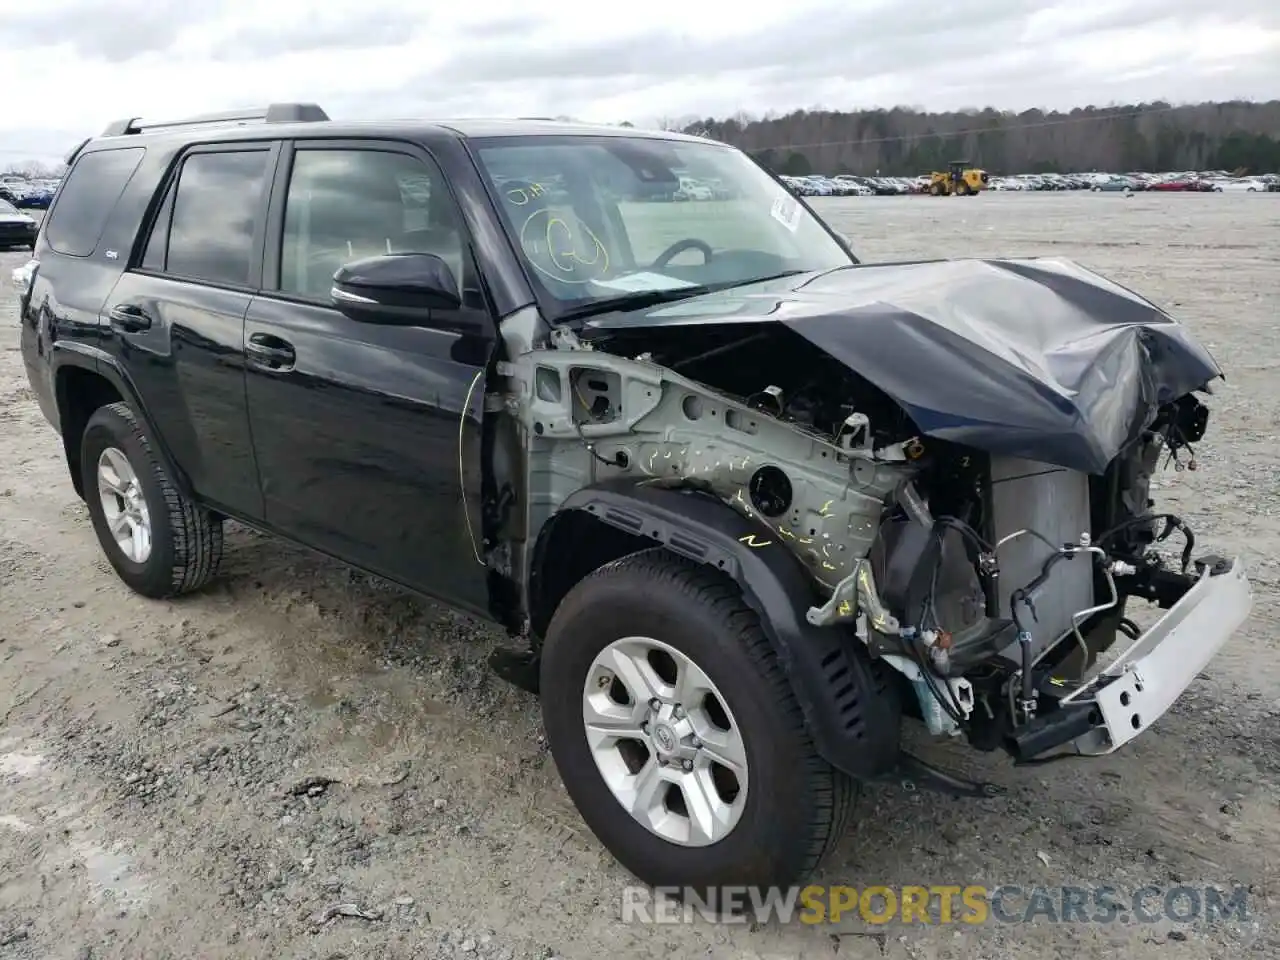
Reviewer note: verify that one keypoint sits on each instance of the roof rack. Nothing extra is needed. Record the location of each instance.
(272, 113)
(75, 152)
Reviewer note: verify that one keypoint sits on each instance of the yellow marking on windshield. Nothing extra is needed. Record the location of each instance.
(521, 196)
(565, 261)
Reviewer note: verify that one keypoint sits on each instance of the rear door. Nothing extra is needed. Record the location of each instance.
(177, 316)
(367, 436)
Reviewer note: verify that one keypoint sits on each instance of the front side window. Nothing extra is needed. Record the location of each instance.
(600, 217)
(346, 204)
(218, 201)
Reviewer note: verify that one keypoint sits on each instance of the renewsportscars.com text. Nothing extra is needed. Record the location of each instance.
(938, 904)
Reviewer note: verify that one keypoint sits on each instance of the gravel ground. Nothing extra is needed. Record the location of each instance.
(212, 777)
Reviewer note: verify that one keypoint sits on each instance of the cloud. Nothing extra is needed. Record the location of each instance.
(325, 29)
(111, 30)
(846, 41)
(84, 63)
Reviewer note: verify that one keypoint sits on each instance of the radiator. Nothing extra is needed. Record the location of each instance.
(1053, 501)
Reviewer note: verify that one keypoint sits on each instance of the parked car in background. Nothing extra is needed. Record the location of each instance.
(1184, 181)
(691, 189)
(847, 185)
(1242, 185)
(24, 192)
(1112, 183)
(38, 195)
(17, 229)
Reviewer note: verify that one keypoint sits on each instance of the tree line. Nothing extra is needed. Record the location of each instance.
(33, 170)
(1238, 135)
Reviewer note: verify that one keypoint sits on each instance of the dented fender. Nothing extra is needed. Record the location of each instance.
(850, 707)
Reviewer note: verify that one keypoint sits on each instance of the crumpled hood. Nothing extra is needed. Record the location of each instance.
(1033, 358)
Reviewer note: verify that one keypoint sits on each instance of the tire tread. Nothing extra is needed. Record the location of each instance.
(834, 792)
(197, 536)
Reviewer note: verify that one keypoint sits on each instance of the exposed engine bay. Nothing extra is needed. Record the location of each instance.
(990, 583)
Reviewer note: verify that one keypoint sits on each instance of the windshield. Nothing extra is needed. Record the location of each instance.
(7, 207)
(597, 218)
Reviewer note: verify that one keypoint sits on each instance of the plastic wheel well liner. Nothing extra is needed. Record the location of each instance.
(851, 708)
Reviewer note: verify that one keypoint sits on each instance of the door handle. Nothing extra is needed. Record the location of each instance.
(129, 318)
(270, 352)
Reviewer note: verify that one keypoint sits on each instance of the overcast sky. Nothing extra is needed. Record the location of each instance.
(72, 66)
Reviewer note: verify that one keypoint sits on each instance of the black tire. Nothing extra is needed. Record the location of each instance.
(186, 546)
(796, 806)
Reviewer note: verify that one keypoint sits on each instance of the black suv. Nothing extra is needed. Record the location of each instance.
(744, 502)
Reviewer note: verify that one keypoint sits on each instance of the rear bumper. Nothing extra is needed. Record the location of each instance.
(1135, 689)
(17, 237)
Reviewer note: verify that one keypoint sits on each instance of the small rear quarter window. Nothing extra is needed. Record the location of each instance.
(92, 187)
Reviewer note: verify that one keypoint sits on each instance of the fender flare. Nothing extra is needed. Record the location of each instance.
(851, 708)
(70, 353)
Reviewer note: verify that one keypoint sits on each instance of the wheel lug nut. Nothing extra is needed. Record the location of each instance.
(695, 743)
(644, 727)
(677, 711)
(687, 764)
(655, 703)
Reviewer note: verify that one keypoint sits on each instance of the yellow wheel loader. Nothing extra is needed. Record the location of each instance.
(958, 180)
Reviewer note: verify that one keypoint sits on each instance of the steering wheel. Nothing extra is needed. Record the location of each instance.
(689, 243)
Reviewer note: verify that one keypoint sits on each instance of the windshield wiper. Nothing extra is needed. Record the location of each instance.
(772, 276)
(632, 301)
(652, 298)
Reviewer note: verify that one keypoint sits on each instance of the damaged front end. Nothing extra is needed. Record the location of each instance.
(988, 590)
(973, 533)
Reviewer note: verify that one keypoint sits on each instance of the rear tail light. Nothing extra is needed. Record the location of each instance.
(24, 276)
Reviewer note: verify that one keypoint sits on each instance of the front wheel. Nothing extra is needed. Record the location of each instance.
(677, 734)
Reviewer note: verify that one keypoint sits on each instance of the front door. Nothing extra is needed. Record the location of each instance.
(368, 436)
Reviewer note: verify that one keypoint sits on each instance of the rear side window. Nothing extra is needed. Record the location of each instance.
(209, 222)
(86, 199)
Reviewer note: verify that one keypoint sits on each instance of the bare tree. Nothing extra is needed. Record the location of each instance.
(906, 140)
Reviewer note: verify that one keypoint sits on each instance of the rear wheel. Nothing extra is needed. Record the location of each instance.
(159, 542)
(673, 727)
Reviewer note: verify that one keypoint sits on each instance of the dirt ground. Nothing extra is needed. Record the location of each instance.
(204, 778)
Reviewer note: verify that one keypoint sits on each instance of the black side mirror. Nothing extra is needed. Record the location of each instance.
(399, 289)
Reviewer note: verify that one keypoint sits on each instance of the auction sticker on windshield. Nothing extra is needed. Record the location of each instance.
(787, 212)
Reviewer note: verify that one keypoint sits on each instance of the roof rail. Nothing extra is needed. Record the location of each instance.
(272, 113)
(75, 152)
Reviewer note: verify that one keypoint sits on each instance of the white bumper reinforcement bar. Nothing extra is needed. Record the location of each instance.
(1135, 689)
